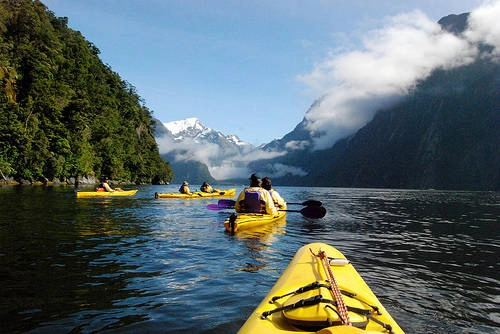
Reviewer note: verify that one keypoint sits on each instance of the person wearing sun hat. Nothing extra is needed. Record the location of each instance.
(184, 189)
(255, 199)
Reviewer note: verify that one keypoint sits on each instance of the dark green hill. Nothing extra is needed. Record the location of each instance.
(445, 135)
(63, 112)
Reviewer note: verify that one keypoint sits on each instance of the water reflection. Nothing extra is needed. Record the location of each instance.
(154, 265)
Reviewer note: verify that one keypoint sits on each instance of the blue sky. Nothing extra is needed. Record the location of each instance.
(241, 67)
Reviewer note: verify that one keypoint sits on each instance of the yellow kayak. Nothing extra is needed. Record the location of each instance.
(244, 221)
(303, 301)
(199, 194)
(80, 194)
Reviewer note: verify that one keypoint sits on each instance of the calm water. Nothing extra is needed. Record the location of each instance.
(140, 264)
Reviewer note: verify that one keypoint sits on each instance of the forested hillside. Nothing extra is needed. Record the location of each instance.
(63, 112)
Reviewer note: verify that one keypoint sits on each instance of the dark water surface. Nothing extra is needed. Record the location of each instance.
(139, 264)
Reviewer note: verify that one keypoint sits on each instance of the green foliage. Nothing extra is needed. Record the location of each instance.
(63, 113)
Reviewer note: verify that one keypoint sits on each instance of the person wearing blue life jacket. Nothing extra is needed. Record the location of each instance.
(279, 202)
(255, 199)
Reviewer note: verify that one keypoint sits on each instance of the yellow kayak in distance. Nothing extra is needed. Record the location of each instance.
(303, 301)
(80, 194)
(199, 194)
(244, 221)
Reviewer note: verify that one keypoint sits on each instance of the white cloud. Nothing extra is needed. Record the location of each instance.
(222, 164)
(280, 170)
(391, 61)
(297, 145)
(484, 26)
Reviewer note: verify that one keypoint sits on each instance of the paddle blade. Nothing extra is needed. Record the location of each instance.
(214, 207)
(228, 203)
(313, 212)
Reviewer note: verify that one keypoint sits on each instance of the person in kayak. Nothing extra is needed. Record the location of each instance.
(279, 202)
(107, 187)
(255, 199)
(207, 188)
(184, 189)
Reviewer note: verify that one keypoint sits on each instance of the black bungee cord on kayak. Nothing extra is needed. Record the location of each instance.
(317, 285)
(316, 300)
(319, 299)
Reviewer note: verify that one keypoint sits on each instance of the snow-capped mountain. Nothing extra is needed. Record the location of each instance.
(192, 129)
(206, 150)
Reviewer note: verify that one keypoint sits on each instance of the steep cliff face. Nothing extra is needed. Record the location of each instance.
(444, 135)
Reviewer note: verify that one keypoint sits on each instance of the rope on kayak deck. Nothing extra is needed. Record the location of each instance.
(337, 295)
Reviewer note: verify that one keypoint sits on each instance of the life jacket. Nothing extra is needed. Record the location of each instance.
(271, 194)
(206, 189)
(183, 189)
(252, 202)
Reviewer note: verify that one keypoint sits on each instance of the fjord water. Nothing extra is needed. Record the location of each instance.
(140, 264)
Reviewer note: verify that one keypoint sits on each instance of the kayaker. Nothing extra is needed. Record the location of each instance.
(255, 198)
(206, 188)
(107, 187)
(184, 189)
(279, 202)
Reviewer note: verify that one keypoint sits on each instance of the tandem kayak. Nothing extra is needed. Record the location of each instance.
(199, 194)
(244, 221)
(105, 193)
(303, 301)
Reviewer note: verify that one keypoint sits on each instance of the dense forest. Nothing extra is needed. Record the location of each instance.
(63, 113)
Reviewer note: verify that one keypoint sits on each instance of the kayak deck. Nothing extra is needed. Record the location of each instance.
(198, 194)
(312, 309)
(244, 221)
(80, 194)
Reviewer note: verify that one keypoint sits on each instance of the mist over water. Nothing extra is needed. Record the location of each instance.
(141, 264)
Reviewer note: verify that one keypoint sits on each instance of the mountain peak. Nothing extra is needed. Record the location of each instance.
(191, 124)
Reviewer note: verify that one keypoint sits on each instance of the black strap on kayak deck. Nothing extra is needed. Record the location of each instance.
(317, 285)
(319, 299)
(305, 288)
(314, 301)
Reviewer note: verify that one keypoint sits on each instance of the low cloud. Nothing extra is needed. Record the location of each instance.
(355, 84)
(280, 170)
(223, 164)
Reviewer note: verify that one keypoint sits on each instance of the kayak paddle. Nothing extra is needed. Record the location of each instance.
(217, 207)
(308, 211)
(309, 202)
(226, 203)
(311, 211)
